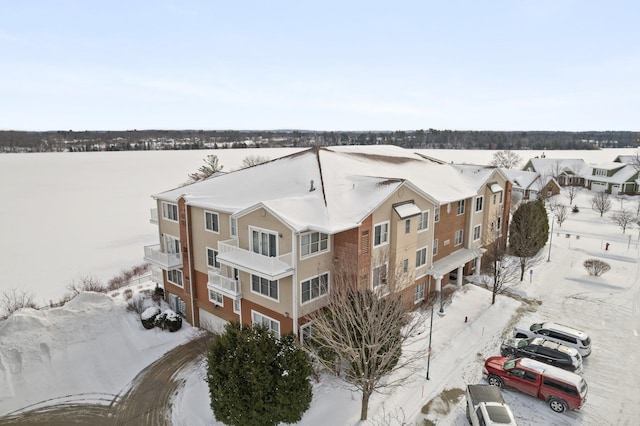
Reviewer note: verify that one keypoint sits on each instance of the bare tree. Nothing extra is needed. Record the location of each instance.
(501, 268)
(561, 212)
(623, 218)
(571, 192)
(365, 332)
(86, 283)
(12, 300)
(601, 203)
(596, 267)
(253, 160)
(210, 167)
(506, 159)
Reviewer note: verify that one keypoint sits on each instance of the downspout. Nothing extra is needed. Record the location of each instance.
(294, 285)
(193, 306)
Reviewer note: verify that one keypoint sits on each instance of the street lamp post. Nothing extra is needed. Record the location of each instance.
(553, 219)
(430, 332)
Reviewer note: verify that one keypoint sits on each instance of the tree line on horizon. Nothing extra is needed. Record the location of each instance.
(138, 140)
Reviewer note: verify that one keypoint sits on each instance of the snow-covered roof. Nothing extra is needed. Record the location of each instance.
(407, 210)
(623, 175)
(328, 189)
(521, 179)
(551, 166)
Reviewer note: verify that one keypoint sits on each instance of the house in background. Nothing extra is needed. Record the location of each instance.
(618, 177)
(529, 186)
(263, 244)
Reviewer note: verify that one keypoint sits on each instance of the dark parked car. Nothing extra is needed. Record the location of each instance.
(543, 350)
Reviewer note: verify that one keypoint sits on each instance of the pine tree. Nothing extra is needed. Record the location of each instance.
(256, 379)
(528, 232)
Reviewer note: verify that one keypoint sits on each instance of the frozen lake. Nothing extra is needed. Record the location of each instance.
(64, 216)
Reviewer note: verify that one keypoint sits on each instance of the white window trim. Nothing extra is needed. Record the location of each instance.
(418, 300)
(479, 232)
(206, 251)
(237, 311)
(426, 253)
(214, 301)
(267, 317)
(233, 226)
(303, 327)
(479, 197)
(265, 231)
(436, 214)
(166, 203)
(166, 238)
(173, 282)
(264, 295)
(382, 243)
(213, 231)
(420, 219)
(315, 299)
(460, 204)
(382, 284)
(319, 252)
(434, 249)
(455, 237)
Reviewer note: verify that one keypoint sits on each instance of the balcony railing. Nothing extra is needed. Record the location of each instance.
(153, 218)
(229, 286)
(155, 255)
(246, 260)
(156, 276)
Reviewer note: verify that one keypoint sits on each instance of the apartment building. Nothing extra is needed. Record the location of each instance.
(264, 244)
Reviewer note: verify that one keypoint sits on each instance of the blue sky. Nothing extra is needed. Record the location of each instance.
(323, 65)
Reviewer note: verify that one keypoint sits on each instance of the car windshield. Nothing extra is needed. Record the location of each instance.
(499, 414)
(522, 343)
(509, 364)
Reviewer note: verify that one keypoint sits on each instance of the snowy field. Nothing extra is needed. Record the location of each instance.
(49, 354)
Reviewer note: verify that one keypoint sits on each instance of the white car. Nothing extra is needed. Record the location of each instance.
(558, 333)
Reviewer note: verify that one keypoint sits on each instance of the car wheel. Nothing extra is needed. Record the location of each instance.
(557, 405)
(494, 380)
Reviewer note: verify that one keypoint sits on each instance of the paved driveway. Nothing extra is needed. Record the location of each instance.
(146, 402)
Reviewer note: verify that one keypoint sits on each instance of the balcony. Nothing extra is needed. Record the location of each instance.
(153, 218)
(154, 254)
(274, 268)
(229, 286)
(157, 276)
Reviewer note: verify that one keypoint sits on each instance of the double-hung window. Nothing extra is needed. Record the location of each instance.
(476, 232)
(312, 243)
(479, 203)
(423, 221)
(436, 214)
(212, 258)
(460, 208)
(264, 286)
(315, 287)
(435, 247)
(171, 244)
(381, 234)
(421, 257)
(458, 238)
(234, 226)
(170, 211)
(379, 275)
(419, 293)
(212, 222)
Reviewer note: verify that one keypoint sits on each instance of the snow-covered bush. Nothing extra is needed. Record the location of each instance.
(149, 317)
(596, 267)
(169, 320)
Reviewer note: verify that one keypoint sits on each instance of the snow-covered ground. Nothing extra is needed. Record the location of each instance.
(48, 354)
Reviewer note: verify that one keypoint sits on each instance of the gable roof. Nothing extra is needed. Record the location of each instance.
(349, 182)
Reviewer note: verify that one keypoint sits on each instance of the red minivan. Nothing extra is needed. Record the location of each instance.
(560, 388)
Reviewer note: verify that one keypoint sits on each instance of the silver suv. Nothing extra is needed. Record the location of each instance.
(557, 333)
